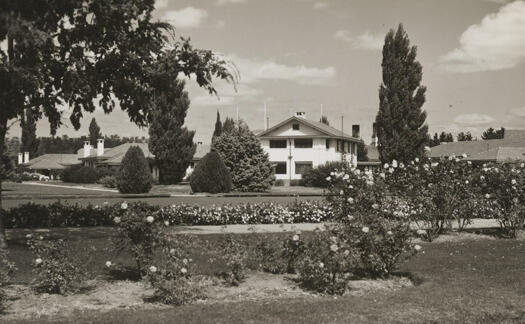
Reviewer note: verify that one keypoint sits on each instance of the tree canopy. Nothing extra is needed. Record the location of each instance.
(492, 133)
(94, 132)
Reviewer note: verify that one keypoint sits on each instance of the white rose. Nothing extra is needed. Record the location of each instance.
(116, 220)
(328, 178)
(389, 233)
(365, 229)
(375, 206)
(321, 265)
(150, 219)
(350, 200)
(183, 270)
(394, 164)
(108, 264)
(295, 237)
(347, 252)
(185, 261)
(487, 196)
(167, 223)
(417, 247)
(386, 166)
(333, 248)
(124, 205)
(427, 148)
(153, 269)
(421, 232)
(416, 159)
(172, 251)
(38, 261)
(464, 155)
(382, 175)
(513, 182)
(28, 236)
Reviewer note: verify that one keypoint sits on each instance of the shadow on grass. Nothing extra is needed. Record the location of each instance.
(124, 273)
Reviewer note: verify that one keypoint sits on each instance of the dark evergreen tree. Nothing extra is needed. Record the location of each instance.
(135, 174)
(218, 127)
(434, 141)
(171, 142)
(29, 139)
(446, 137)
(324, 120)
(243, 155)
(211, 175)
(492, 133)
(94, 132)
(362, 152)
(401, 128)
(228, 125)
(464, 137)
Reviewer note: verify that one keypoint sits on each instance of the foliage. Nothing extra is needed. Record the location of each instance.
(244, 156)
(279, 257)
(228, 125)
(134, 175)
(235, 257)
(218, 127)
(109, 181)
(57, 270)
(464, 137)
(6, 270)
(362, 151)
(80, 174)
(317, 177)
(170, 142)
(29, 139)
(492, 133)
(401, 129)
(94, 132)
(211, 175)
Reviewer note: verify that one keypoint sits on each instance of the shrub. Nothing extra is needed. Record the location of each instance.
(135, 175)
(235, 257)
(316, 177)
(80, 174)
(108, 181)
(276, 256)
(211, 175)
(56, 269)
(6, 270)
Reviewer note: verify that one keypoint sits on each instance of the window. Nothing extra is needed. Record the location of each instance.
(277, 143)
(295, 126)
(327, 143)
(302, 167)
(280, 168)
(304, 143)
(337, 150)
(353, 148)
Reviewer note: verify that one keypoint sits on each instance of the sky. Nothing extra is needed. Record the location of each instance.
(301, 55)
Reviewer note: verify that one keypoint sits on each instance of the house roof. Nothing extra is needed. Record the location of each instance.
(114, 156)
(52, 161)
(500, 154)
(323, 128)
(513, 138)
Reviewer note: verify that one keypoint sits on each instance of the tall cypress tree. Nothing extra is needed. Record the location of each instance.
(218, 127)
(401, 128)
(170, 142)
(94, 132)
(29, 139)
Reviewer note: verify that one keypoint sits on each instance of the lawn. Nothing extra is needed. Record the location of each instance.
(458, 281)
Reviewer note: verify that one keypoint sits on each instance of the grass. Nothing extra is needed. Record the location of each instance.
(478, 281)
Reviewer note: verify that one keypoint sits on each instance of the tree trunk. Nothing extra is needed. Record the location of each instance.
(3, 131)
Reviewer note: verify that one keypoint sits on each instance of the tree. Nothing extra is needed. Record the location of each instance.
(88, 53)
(464, 137)
(29, 139)
(446, 137)
(94, 132)
(362, 151)
(228, 125)
(401, 128)
(135, 174)
(218, 127)
(492, 133)
(324, 120)
(434, 141)
(211, 175)
(170, 142)
(243, 155)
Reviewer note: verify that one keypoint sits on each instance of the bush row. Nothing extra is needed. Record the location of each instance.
(58, 214)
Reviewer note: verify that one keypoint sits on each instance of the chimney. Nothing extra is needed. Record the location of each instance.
(20, 158)
(26, 157)
(100, 147)
(355, 131)
(374, 134)
(300, 114)
(87, 149)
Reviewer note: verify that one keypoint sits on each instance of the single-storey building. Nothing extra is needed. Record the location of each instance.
(52, 164)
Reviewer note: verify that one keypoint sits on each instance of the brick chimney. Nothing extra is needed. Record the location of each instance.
(300, 114)
(87, 149)
(100, 147)
(355, 131)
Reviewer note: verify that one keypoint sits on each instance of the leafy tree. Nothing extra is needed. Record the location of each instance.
(84, 53)
(29, 139)
(170, 142)
(228, 125)
(218, 127)
(446, 137)
(464, 137)
(401, 128)
(135, 174)
(362, 151)
(434, 141)
(324, 120)
(492, 133)
(211, 175)
(94, 132)
(243, 155)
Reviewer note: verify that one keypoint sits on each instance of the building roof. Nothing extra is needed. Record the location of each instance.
(512, 138)
(500, 154)
(323, 128)
(114, 156)
(52, 161)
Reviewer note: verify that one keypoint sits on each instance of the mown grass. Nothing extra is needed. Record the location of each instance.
(464, 282)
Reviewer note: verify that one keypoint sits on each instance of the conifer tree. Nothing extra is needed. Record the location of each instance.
(218, 127)
(228, 125)
(401, 128)
(135, 174)
(94, 132)
(29, 139)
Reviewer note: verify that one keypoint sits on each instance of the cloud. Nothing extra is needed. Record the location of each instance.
(320, 5)
(188, 17)
(365, 41)
(497, 43)
(159, 4)
(473, 119)
(225, 2)
(253, 70)
(227, 95)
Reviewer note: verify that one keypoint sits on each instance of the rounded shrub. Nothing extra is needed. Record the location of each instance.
(80, 174)
(316, 177)
(135, 175)
(211, 175)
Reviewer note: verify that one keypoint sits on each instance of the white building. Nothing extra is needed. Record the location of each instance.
(298, 144)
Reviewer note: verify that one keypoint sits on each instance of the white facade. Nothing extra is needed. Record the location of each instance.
(298, 144)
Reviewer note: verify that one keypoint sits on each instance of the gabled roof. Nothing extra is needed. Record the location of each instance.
(500, 154)
(52, 161)
(323, 128)
(114, 156)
